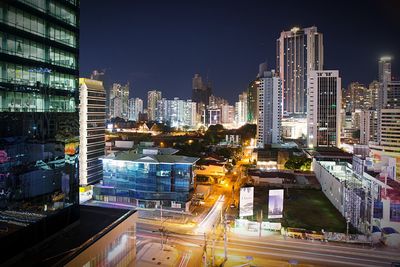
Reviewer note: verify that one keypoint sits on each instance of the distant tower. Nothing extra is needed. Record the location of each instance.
(299, 51)
(197, 82)
(119, 101)
(385, 77)
(262, 69)
(201, 91)
(152, 98)
(135, 108)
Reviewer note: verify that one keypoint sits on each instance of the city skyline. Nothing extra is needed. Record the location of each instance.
(152, 37)
(234, 167)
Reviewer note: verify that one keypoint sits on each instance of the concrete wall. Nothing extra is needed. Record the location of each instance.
(332, 187)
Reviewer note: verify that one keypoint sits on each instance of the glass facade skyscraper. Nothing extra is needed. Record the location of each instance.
(39, 123)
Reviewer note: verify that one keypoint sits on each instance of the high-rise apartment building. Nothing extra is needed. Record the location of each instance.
(269, 109)
(216, 101)
(356, 97)
(323, 117)
(39, 123)
(241, 109)
(385, 77)
(177, 112)
(372, 94)
(227, 114)
(119, 101)
(135, 108)
(190, 114)
(368, 126)
(388, 108)
(389, 139)
(299, 51)
(385, 80)
(392, 95)
(92, 126)
(152, 99)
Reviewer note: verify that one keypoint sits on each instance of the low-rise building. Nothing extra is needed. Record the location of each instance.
(147, 180)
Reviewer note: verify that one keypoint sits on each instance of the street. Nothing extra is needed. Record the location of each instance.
(272, 249)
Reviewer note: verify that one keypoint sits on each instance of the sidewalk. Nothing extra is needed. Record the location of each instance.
(174, 216)
(240, 231)
(151, 255)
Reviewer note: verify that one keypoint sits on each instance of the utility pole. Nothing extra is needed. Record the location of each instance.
(225, 240)
(261, 220)
(161, 212)
(213, 247)
(372, 209)
(162, 238)
(205, 251)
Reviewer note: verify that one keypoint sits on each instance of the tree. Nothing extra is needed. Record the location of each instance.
(247, 131)
(215, 134)
(298, 163)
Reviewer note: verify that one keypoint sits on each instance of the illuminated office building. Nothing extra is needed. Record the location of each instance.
(323, 117)
(39, 124)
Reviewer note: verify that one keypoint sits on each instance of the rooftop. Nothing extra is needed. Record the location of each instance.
(329, 153)
(134, 157)
(68, 243)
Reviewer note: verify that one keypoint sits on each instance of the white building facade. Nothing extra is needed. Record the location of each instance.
(119, 101)
(241, 110)
(177, 112)
(269, 109)
(152, 98)
(92, 119)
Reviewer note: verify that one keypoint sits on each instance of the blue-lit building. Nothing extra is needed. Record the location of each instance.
(147, 180)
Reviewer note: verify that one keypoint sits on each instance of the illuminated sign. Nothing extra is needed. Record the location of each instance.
(275, 204)
(40, 70)
(246, 201)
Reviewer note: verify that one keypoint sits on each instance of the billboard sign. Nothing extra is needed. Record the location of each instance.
(275, 204)
(246, 201)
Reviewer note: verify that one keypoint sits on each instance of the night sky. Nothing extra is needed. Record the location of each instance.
(161, 44)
